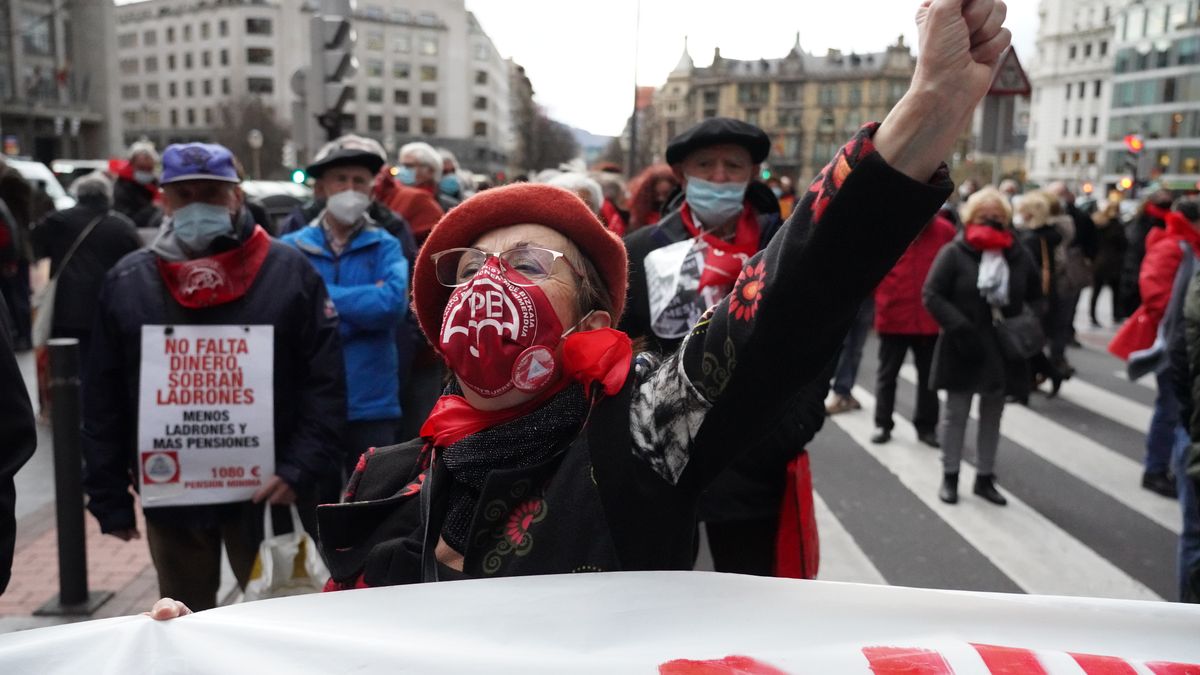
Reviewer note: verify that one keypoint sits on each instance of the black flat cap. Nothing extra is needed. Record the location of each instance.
(348, 150)
(716, 131)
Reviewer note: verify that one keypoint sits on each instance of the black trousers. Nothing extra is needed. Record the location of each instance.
(743, 546)
(893, 349)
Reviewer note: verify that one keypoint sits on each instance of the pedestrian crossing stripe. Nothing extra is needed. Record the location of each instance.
(1130, 413)
(841, 558)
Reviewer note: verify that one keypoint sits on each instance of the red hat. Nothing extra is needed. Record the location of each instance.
(518, 204)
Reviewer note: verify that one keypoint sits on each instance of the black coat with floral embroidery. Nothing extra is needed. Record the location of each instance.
(622, 495)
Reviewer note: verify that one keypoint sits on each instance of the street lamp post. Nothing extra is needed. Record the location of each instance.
(255, 140)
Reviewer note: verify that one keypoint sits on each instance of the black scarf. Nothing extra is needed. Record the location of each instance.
(523, 442)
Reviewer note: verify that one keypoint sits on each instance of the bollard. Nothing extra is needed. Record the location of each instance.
(73, 595)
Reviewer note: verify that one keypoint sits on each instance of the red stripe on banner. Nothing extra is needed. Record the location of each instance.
(1103, 665)
(1009, 660)
(906, 661)
(734, 664)
(1164, 668)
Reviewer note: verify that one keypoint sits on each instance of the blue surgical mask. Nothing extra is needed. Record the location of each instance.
(197, 225)
(714, 204)
(407, 175)
(144, 177)
(449, 185)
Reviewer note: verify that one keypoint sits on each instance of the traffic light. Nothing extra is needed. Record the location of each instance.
(766, 174)
(333, 63)
(299, 177)
(1134, 143)
(1133, 153)
(1126, 183)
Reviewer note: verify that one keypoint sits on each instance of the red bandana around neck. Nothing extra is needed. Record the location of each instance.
(985, 238)
(600, 356)
(1156, 211)
(216, 279)
(724, 260)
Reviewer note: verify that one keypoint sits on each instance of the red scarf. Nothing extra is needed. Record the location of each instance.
(1156, 211)
(592, 357)
(723, 260)
(1181, 227)
(217, 279)
(985, 238)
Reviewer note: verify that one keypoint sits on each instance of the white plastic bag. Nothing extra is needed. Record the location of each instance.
(673, 286)
(287, 564)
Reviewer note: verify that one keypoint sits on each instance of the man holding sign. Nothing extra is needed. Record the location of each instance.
(215, 383)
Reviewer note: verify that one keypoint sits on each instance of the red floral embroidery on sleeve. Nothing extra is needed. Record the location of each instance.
(743, 303)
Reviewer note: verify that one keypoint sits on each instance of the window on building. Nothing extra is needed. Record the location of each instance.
(400, 125)
(129, 66)
(187, 61)
(188, 89)
(710, 97)
(400, 96)
(427, 19)
(225, 86)
(1091, 158)
(207, 88)
(429, 74)
(752, 116)
(855, 95)
(1087, 50)
(152, 91)
(1066, 127)
(260, 56)
(149, 38)
(429, 126)
(174, 119)
(1095, 126)
(402, 44)
(172, 90)
(429, 46)
(187, 34)
(710, 112)
(1104, 43)
(129, 91)
(401, 71)
(208, 117)
(374, 68)
(191, 117)
(375, 95)
(1078, 126)
(151, 64)
(827, 95)
(1082, 89)
(482, 53)
(127, 40)
(481, 103)
(429, 99)
(130, 117)
(258, 26)
(480, 130)
(1062, 159)
(170, 62)
(1071, 52)
(1068, 92)
(481, 77)
(375, 123)
(223, 28)
(375, 41)
(224, 57)
(170, 34)
(790, 92)
(206, 59)
(260, 85)
(1097, 86)
(205, 29)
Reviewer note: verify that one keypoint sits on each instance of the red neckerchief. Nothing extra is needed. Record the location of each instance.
(1156, 211)
(984, 238)
(612, 218)
(431, 188)
(591, 357)
(219, 278)
(1179, 226)
(724, 260)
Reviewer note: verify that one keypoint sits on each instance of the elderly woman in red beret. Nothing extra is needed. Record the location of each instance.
(558, 449)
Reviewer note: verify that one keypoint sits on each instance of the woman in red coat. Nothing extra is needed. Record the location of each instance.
(904, 324)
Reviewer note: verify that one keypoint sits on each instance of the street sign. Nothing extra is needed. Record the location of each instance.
(1010, 79)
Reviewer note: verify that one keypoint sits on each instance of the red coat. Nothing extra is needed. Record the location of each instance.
(898, 306)
(1155, 280)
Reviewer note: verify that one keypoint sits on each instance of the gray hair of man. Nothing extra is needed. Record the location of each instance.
(587, 189)
(143, 148)
(425, 156)
(447, 155)
(94, 185)
(611, 185)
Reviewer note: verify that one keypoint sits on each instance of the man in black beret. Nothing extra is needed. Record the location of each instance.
(682, 266)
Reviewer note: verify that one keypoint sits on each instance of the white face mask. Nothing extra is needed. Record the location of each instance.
(348, 206)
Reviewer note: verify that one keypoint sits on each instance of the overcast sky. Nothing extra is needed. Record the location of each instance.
(579, 54)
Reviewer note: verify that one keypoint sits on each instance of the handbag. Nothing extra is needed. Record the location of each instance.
(43, 302)
(1021, 337)
(287, 564)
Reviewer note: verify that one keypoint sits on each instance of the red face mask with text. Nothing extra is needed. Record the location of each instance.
(497, 336)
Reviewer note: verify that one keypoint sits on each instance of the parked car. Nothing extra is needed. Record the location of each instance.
(68, 170)
(41, 177)
(278, 197)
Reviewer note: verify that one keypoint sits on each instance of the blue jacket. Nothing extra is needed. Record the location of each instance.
(368, 283)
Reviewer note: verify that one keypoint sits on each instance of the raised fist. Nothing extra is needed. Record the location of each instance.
(960, 43)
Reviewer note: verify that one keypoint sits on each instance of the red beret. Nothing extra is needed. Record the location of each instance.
(518, 204)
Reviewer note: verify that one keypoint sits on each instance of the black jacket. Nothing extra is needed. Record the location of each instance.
(136, 202)
(79, 284)
(1130, 293)
(967, 356)
(310, 388)
(1032, 240)
(18, 439)
(622, 495)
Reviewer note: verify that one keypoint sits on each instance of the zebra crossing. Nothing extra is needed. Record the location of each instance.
(1078, 521)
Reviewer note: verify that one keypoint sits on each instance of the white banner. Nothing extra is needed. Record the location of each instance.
(206, 426)
(634, 622)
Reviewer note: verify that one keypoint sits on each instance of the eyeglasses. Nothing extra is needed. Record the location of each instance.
(524, 265)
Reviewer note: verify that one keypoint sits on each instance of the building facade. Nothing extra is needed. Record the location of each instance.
(427, 71)
(1156, 93)
(807, 104)
(1072, 78)
(56, 97)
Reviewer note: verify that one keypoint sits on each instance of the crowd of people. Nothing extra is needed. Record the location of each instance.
(587, 367)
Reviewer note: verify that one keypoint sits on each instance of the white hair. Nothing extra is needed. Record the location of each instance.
(425, 156)
(546, 175)
(611, 185)
(94, 184)
(587, 189)
(447, 155)
(143, 148)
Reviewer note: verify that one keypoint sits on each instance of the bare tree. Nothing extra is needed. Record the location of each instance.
(238, 118)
